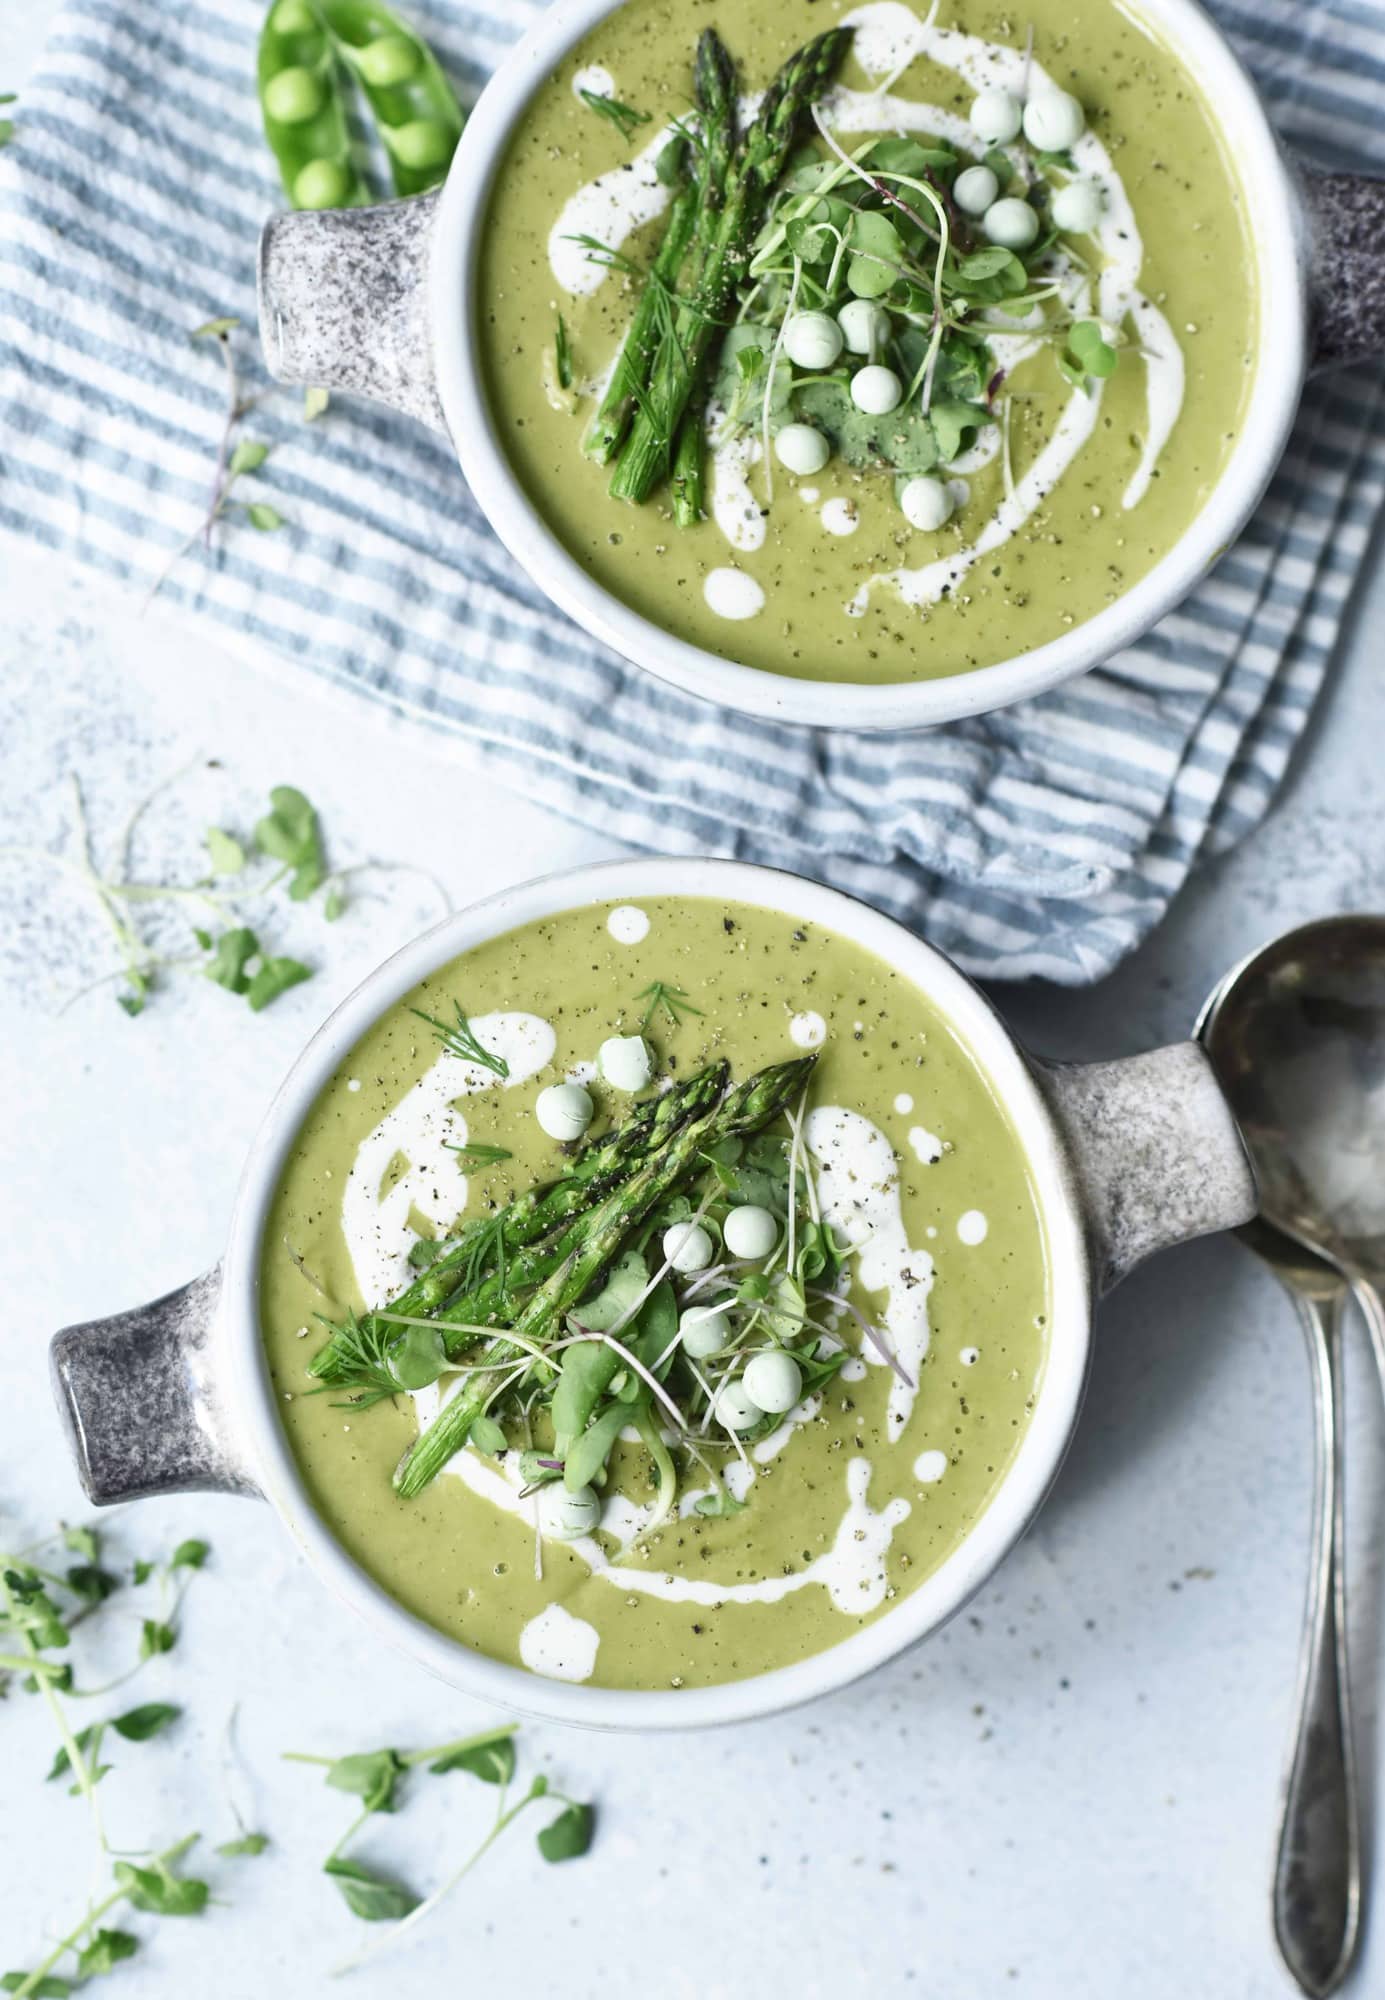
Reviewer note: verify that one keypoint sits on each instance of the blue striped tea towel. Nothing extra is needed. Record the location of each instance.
(1046, 840)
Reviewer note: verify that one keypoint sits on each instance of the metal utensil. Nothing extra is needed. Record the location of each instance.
(1275, 1028)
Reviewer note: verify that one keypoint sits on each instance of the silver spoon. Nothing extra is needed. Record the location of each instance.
(1317, 1884)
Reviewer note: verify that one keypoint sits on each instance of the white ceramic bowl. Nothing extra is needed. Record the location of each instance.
(382, 302)
(1277, 234)
(1125, 1157)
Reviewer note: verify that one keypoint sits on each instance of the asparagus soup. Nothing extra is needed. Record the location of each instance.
(656, 1294)
(876, 344)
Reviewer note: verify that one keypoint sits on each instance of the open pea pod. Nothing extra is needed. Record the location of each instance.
(414, 106)
(303, 106)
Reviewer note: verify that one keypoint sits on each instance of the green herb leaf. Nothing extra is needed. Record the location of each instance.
(493, 1762)
(718, 1505)
(159, 1891)
(569, 1836)
(616, 1297)
(91, 1583)
(334, 903)
(474, 1155)
(369, 1895)
(370, 1775)
(426, 1251)
(315, 401)
(214, 329)
(190, 1555)
(234, 951)
(487, 1436)
(104, 1952)
(562, 354)
(274, 977)
(141, 1570)
(588, 1454)
(83, 1542)
(1090, 350)
(290, 833)
(264, 517)
(248, 456)
(49, 1987)
(156, 1637)
(623, 116)
(88, 1738)
(248, 1843)
(137, 1725)
(225, 852)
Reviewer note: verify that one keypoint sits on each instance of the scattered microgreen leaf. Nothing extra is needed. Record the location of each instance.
(493, 1761)
(224, 851)
(568, 1836)
(191, 1554)
(562, 352)
(371, 1775)
(159, 1891)
(315, 402)
(137, 1725)
(369, 1895)
(156, 1636)
(104, 1951)
(245, 1844)
(273, 977)
(290, 834)
(264, 517)
(248, 456)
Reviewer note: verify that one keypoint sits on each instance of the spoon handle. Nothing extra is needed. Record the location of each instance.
(1317, 1878)
(1372, 1306)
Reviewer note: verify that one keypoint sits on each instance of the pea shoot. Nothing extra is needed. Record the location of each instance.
(44, 1600)
(379, 1779)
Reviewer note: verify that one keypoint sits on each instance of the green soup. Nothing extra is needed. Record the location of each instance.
(1077, 413)
(919, 1356)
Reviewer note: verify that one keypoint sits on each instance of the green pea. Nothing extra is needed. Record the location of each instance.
(294, 17)
(388, 60)
(293, 96)
(421, 144)
(321, 184)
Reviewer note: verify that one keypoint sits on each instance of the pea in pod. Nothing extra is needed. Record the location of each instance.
(304, 110)
(415, 108)
(310, 52)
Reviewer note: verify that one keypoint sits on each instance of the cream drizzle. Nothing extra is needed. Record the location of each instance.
(419, 1130)
(858, 1187)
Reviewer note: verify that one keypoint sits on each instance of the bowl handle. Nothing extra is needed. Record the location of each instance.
(1346, 274)
(1156, 1154)
(344, 303)
(138, 1398)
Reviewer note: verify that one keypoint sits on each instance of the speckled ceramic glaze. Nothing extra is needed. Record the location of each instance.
(382, 302)
(1126, 1158)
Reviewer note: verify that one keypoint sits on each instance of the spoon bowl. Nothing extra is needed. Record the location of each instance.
(1296, 1034)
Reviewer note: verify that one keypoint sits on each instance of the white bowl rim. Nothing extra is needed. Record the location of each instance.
(1274, 219)
(241, 1361)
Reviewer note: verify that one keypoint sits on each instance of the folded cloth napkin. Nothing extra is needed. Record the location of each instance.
(1046, 840)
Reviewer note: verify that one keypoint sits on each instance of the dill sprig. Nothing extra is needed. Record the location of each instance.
(624, 117)
(460, 1040)
(672, 999)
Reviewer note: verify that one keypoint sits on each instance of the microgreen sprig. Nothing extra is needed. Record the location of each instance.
(376, 1777)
